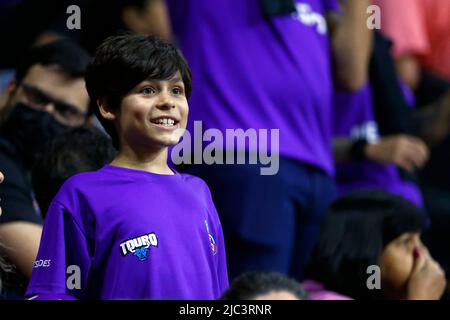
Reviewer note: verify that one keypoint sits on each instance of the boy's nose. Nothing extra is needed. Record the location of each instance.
(165, 102)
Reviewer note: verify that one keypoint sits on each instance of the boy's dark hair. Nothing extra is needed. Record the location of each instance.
(353, 236)
(123, 61)
(67, 55)
(76, 150)
(252, 284)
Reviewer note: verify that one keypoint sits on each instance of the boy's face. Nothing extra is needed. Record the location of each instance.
(153, 114)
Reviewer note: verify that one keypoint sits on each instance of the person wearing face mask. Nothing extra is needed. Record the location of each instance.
(46, 97)
(370, 248)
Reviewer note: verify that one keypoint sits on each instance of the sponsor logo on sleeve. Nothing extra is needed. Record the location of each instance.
(41, 263)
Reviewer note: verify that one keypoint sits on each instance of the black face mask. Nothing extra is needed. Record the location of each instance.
(29, 130)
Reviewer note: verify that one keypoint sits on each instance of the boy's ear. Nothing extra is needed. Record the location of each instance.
(105, 111)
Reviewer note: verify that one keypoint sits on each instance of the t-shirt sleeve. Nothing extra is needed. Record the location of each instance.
(16, 194)
(222, 261)
(221, 253)
(63, 263)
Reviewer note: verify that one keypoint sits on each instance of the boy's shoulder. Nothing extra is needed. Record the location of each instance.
(194, 181)
(83, 178)
(82, 183)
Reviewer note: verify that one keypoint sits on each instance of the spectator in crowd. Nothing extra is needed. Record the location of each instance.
(420, 35)
(263, 66)
(366, 160)
(420, 44)
(46, 97)
(374, 231)
(264, 286)
(74, 151)
(126, 225)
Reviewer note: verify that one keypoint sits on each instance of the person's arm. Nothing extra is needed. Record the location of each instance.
(20, 241)
(153, 20)
(406, 152)
(20, 224)
(351, 43)
(1, 180)
(408, 68)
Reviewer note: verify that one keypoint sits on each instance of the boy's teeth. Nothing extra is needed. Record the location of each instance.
(166, 121)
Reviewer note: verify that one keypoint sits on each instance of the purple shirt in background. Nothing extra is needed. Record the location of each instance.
(253, 72)
(133, 235)
(408, 94)
(317, 291)
(354, 117)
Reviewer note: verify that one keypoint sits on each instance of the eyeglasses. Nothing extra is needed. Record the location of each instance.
(64, 113)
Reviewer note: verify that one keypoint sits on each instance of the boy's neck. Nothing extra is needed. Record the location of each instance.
(154, 161)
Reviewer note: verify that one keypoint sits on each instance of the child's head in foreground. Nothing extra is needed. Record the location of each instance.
(264, 286)
(374, 229)
(140, 85)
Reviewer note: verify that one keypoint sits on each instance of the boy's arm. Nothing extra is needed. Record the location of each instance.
(351, 43)
(63, 262)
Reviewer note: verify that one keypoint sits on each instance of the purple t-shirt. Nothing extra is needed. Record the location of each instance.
(354, 118)
(263, 73)
(317, 291)
(133, 235)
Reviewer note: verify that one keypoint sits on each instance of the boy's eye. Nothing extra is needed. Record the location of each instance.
(148, 90)
(176, 91)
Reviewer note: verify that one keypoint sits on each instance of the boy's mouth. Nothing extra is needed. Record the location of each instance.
(165, 122)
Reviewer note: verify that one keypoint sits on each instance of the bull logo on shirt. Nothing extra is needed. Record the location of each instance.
(139, 246)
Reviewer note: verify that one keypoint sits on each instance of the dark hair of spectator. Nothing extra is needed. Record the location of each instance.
(67, 55)
(77, 150)
(353, 236)
(252, 284)
(123, 61)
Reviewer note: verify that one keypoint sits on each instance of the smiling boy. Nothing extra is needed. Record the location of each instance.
(136, 229)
